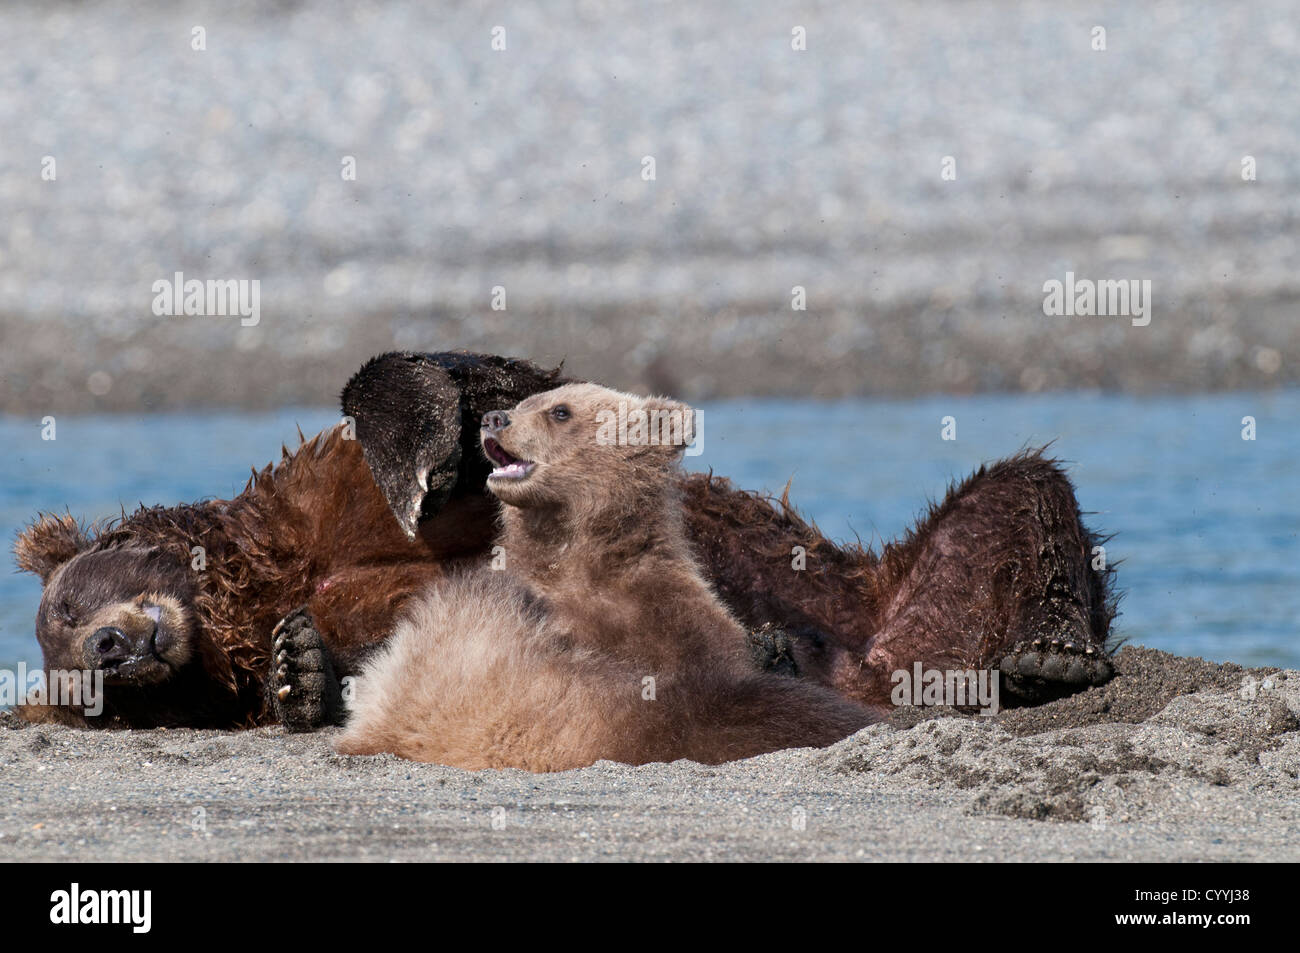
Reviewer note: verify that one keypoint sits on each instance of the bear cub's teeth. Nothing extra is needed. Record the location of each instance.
(509, 467)
(512, 471)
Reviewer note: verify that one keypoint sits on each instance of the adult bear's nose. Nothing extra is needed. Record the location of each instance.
(495, 420)
(108, 646)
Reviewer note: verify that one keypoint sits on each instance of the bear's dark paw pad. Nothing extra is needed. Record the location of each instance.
(773, 650)
(302, 688)
(1044, 666)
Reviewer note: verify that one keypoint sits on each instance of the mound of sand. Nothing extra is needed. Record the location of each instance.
(1174, 759)
(1106, 754)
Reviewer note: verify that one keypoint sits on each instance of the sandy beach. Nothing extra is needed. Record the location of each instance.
(1176, 759)
(679, 199)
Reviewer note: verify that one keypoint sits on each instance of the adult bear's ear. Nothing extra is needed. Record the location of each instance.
(48, 543)
(407, 413)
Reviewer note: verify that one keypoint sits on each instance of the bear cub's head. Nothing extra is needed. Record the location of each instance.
(117, 608)
(583, 447)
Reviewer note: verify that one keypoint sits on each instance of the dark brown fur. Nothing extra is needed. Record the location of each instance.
(312, 531)
(1004, 558)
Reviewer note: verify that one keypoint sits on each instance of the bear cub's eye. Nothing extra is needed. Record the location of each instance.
(560, 413)
(68, 613)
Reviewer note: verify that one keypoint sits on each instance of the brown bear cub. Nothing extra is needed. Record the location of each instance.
(600, 638)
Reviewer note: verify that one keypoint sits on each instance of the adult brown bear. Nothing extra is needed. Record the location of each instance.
(175, 607)
(305, 572)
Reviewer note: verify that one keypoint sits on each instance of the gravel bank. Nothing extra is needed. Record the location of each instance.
(523, 169)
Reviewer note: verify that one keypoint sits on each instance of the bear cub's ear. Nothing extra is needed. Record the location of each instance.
(49, 543)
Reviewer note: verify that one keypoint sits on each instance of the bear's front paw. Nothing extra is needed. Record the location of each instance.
(773, 650)
(302, 689)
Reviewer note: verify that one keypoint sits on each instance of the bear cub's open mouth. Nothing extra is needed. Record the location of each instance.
(509, 467)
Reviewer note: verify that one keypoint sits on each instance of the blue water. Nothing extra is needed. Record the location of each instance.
(1207, 524)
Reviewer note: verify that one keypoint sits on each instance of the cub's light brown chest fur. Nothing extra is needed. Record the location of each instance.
(599, 639)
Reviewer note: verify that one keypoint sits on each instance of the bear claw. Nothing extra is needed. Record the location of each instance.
(1034, 668)
(302, 689)
(773, 650)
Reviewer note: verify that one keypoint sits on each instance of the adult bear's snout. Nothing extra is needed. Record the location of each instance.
(109, 646)
(495, 420)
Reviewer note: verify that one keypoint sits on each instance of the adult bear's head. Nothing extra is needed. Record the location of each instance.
(119, 608)
(115, 612)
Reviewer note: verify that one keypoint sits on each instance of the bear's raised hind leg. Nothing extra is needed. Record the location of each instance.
(1001, 574)
(1065, 607)
(302, 688)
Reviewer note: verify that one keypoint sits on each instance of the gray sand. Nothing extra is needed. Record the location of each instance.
(1167, 762)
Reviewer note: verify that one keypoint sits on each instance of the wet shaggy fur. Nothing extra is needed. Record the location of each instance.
(308, 551)
(1002, 562)
(600, 639)
(999, 574)
(313, 531)
(417, 418)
